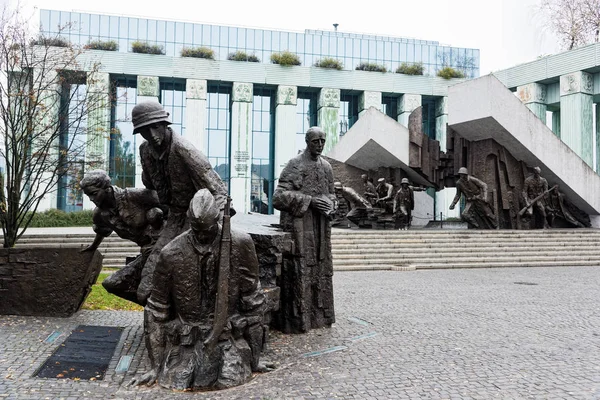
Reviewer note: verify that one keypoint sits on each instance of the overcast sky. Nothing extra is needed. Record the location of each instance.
(508, 32)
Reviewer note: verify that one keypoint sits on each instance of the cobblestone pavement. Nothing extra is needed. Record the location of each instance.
(443, 334)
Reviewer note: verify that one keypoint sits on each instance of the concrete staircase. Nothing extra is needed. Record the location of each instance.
(428, 249)
(113, 248)
(404, 250)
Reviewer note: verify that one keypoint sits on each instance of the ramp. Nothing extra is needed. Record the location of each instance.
(484, 108)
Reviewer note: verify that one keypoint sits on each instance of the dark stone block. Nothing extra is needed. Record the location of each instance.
(51, 282)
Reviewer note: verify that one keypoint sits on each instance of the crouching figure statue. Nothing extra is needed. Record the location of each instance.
(203, 321)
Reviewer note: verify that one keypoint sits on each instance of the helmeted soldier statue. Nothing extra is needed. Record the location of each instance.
(176, 170)
(477, 212)
(533, 187)
(404, 203)
(385, 195)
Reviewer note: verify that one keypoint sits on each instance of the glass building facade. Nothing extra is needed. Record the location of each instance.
(310, 45)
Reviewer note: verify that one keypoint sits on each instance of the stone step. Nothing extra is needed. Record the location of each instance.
(478, 259)
(510, 232)
(436, 255)
(428, 248)
(475, 239)
(453, 265)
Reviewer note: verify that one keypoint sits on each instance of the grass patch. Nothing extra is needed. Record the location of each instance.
(57, 218)
(146, 48)
(410, 69)
(365, 66)
(109, 45)
(285, 58)
(100, 299)
(330, 63)
(242, 56)
(198, 52)
(449, 73)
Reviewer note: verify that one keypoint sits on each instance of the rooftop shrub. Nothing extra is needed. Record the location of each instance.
(410, 69)
(198, 52)
(53, 41)
(330, 63)
(285, 58)
(109, 45)
(146, 48)
(365, 66)
(242, 56)
(449, 73)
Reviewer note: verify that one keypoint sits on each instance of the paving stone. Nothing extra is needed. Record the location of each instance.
(445, 334)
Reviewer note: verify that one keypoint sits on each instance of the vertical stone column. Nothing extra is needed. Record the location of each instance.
(240, 187)
(444, 197)
(407, 103)
(97, 152)
(328, 114)
(597, 166)
(556, 122)
(367, 100)
(533, 95)
(195, 113)
(148, 89)
(576, 113)
(285, 126)
(441, 120)
(49, 99)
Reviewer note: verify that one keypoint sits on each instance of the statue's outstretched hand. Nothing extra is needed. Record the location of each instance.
(149, 378)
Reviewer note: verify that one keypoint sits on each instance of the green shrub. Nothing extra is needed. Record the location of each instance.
(410, 69)
(329, 62)
(449, 73)
(58, 218)
(365, 66)
(146, 48)
(54, 41)
(285, 58)
(242, 56)
(109, 45)
(198, 52)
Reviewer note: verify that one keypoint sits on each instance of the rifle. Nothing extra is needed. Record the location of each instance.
(222, 303)
(536, 199)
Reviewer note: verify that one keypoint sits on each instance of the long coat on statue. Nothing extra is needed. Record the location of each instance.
(306, 281)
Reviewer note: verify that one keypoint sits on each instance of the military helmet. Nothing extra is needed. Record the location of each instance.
(404, 180)
(463, 170)
(337, 185)
(148, 113)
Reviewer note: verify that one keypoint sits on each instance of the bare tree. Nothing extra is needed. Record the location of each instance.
(591, 17)
(567, 19)
(44, 129)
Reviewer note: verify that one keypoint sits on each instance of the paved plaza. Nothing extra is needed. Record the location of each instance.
(440, 334)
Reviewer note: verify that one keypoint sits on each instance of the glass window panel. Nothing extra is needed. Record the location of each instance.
(197, 34)
(267, 40)
(54, 24)
(316, 48)
(232, 37)
(241, 38)
(153, 29)
(133, 28)
(258, 39)
(364, 50)
(179, 32)
(387, 51)
(188, 36)
(113, 29)
(123, 27)
(308, 42)
(94, 25)
(206, 32)
(402, 55)
(280, 41)
(170, 31)
(212, 118)
(214, 35)
(356, 48)
(142, 29)
(250, 39)
(45, 19)
(372, 50)
(65, 20)
(178, 48)
(170, 49)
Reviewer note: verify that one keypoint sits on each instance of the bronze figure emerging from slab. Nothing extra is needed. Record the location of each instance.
(477, 212)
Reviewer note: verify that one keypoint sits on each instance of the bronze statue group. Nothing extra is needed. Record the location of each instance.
(197, 275)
